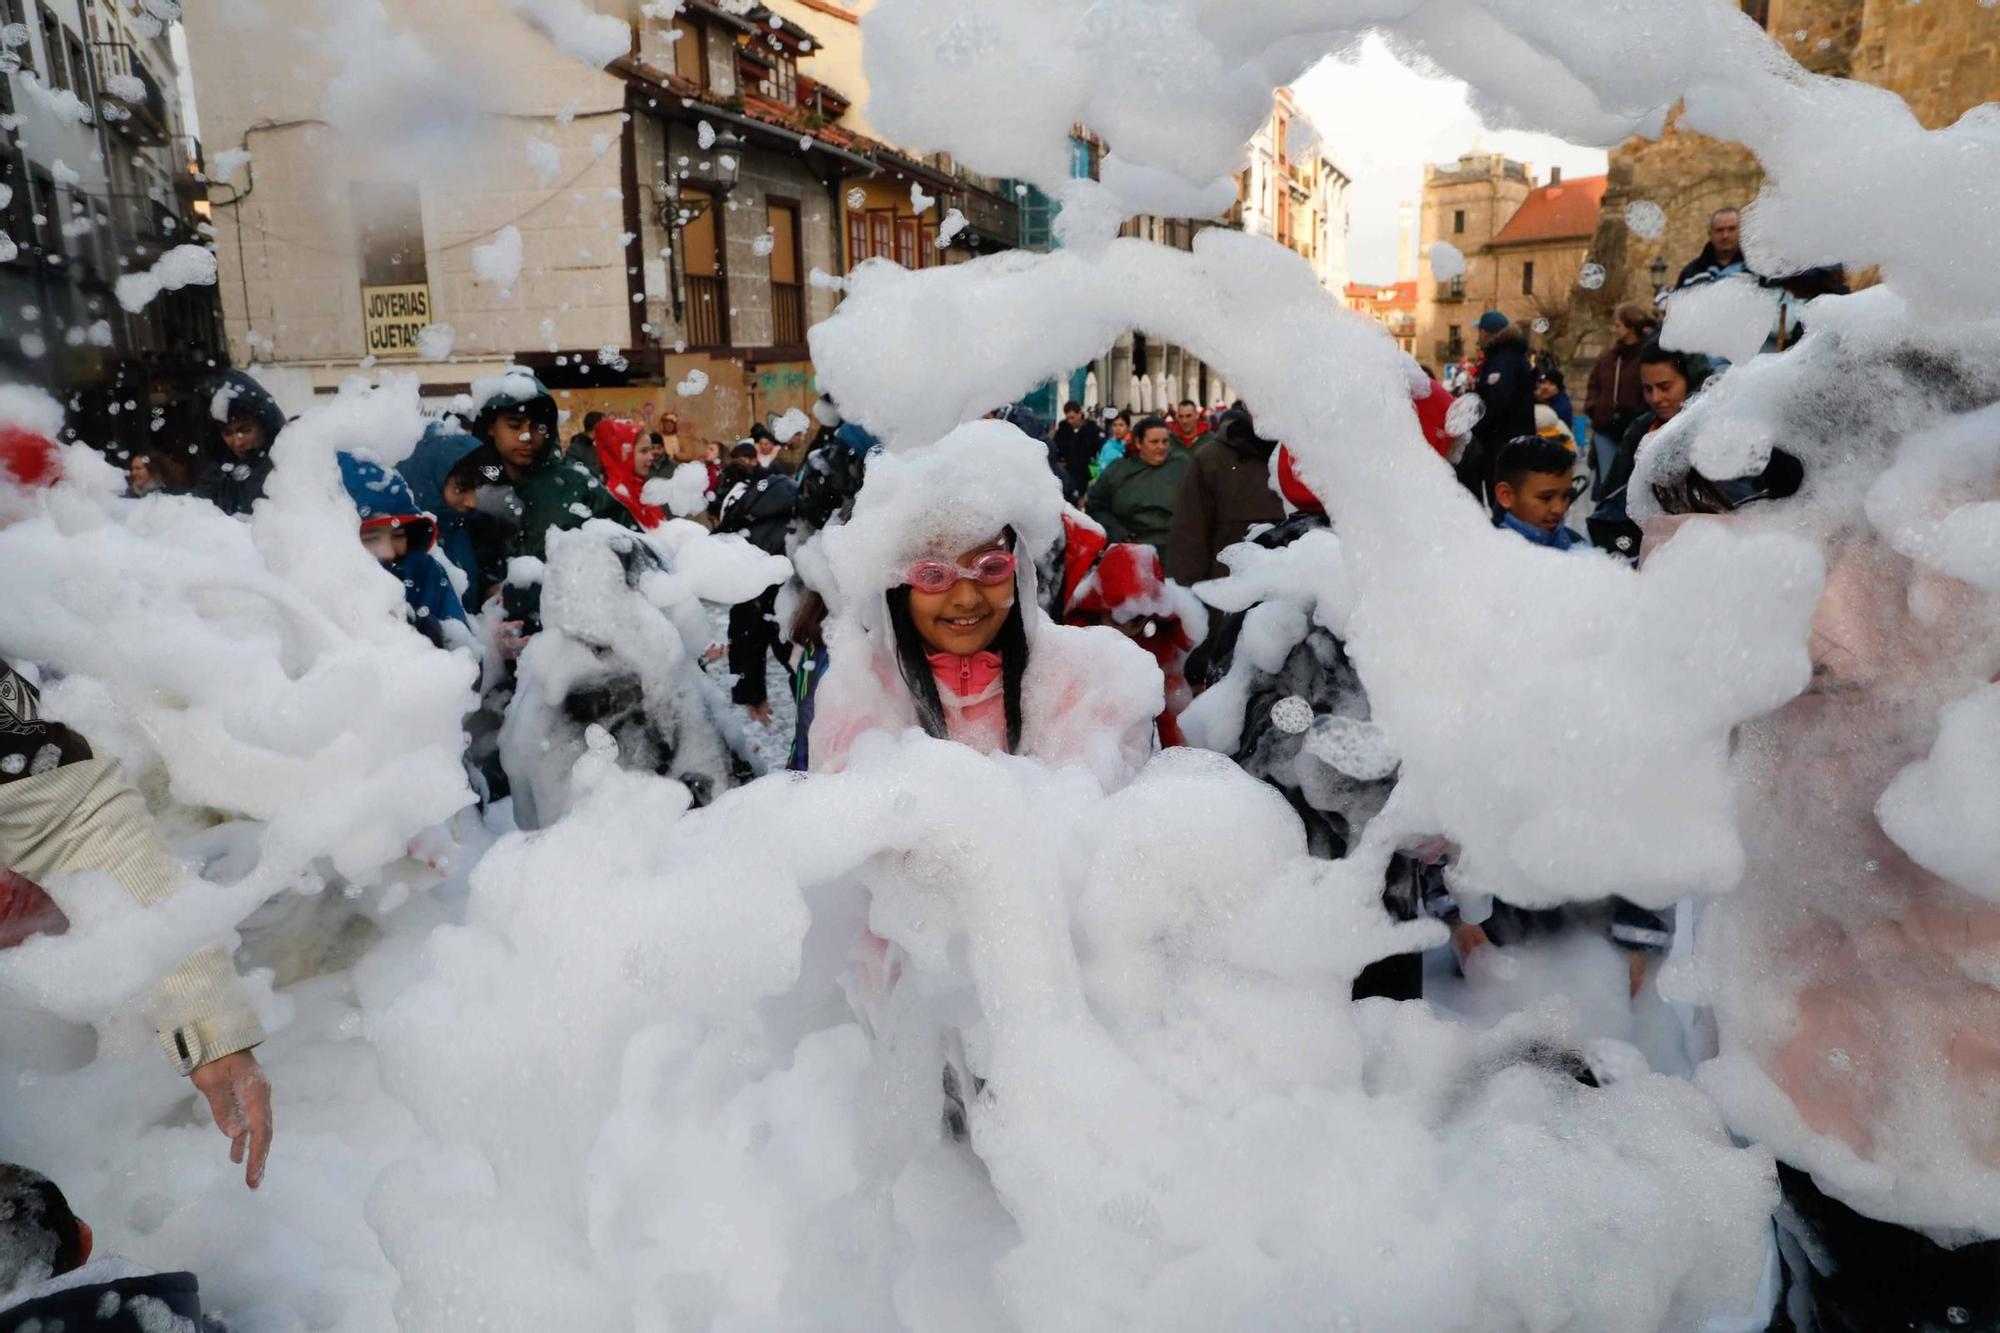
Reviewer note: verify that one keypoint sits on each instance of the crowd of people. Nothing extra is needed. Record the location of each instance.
(975, 642)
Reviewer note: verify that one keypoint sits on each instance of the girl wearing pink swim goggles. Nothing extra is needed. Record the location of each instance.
(937, 624)
(959, 631)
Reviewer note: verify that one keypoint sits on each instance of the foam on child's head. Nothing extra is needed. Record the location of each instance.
(942, 500)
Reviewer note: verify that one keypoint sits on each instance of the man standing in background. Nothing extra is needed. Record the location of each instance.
(1073, 448)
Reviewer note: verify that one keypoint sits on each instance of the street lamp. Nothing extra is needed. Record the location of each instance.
(728, 149)
(1658, 270)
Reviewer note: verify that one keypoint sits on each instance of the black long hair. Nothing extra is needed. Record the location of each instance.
(913, 657)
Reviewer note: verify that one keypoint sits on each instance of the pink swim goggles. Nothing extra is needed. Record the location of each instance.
(935, 576)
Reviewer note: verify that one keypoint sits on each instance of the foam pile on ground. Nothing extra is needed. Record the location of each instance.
(1175, 1109)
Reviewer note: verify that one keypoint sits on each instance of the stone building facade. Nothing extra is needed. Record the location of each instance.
(1291, 190)
(1464, 205)
(1539, 255)
(672, 206)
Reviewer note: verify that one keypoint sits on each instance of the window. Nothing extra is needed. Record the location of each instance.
(784, 220)
(690, 52)
(906, 243)
(788, 287)
(389, 232)
(707, 312)
(701, 247)
(784, 81)
(882, 235)
(1528, 278)
(1081, 165)
(1458, 288)
(14, 219)
(857, 238)
(45, 215)
(24, 54)
(1458, 222)
(79, 66)
(1455, 336)
(1759, 12)
(52, 49)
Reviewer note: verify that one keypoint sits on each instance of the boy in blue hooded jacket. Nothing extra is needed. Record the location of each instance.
(445, 481)
(400, 535)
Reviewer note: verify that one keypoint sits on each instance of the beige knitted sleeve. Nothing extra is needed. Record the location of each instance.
(86, 817)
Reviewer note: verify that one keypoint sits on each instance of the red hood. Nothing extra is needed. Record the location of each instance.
(615, 442)
(1083, 542)
(1293, 487)
(1431, 413)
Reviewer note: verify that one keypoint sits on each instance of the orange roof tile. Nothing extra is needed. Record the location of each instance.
(1401, 293)
(1564, 212)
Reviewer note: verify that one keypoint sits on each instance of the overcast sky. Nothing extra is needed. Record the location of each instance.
(1382, 121)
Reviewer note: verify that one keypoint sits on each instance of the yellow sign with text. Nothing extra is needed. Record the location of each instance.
(394, 316)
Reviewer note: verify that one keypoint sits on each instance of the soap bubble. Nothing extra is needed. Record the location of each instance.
(1646, 219)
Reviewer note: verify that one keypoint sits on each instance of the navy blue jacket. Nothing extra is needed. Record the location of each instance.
(230, 483)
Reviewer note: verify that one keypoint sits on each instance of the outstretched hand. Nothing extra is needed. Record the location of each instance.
(239, 1097)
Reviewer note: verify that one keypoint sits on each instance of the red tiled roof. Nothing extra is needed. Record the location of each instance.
(1405, 293)
(1563, 212)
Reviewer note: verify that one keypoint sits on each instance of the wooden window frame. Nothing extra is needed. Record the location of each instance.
(697, 33)
(45, 199)
(857, 237)
(52, 48)
(80, 73)
(1527, 277)
(796, 209)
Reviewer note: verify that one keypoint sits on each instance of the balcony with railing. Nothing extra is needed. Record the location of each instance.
(707, 323)
(129, 85)
(1451, 291)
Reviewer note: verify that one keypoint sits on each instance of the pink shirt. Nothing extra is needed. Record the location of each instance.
(973, 695)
